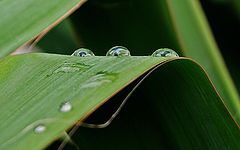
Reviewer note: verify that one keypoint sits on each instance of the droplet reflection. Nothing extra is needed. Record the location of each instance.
(165, 52)
(118, 51)
(83, 52)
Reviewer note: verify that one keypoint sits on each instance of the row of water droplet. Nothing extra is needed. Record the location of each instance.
(123, 51)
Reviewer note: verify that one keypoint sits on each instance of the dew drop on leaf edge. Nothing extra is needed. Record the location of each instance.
(165, 52)
(118, 51)
(83, 52)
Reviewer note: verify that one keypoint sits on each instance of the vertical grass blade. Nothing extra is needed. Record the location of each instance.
(197, 42)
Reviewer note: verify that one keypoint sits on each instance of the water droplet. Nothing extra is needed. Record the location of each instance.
(118, 51)
(71, 67)
(99, 79)
(65, 107)
(83, 52)
(165, 52)
(66, 69)
(36, 127)
(39, 128)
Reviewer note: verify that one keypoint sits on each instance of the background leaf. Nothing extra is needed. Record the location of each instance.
(224, 23)
(198, 43)
(22, 20)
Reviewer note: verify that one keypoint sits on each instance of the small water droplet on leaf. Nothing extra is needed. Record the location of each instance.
(65, 107)
(39, 128)
(99, 79)
(71, 67)
(165, 52)
(118, 51)
(83, 52)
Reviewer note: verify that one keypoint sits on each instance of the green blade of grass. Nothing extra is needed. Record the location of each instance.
(22, 20)
(197, 42)
(33, 87)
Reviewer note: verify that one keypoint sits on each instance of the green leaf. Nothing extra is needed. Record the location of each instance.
(197, 42)
(221, 17)
(22, 20)
(48, 80)
(33, 87)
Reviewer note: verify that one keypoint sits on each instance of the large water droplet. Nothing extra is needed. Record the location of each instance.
(40, 128)
(165, 52)
(83, 52)
(65, 107)
(118, 51)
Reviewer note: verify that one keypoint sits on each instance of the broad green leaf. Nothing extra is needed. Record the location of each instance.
(22, 20)
(197, 42)
(46, 81)
(33, 88)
